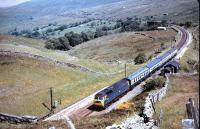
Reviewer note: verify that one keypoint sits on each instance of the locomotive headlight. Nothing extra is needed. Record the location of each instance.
(99, 103)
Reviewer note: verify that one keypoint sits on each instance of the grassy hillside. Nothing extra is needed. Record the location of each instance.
(123, 46)
(25, 82)
(36, 47)
(39, 14)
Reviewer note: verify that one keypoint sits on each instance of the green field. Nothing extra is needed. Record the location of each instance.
(25, 85)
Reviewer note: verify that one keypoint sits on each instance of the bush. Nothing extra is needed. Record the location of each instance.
(140, 58)
(74, 38)
(197, 67)
(84, 36)
(188, 24)
(14, 32)
(60, 44)
(150, 57)
(155, 83)
(61, 28)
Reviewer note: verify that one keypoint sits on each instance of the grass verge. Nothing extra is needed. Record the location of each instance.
(173, 105)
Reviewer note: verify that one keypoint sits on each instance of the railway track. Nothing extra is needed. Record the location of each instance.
(87, 110)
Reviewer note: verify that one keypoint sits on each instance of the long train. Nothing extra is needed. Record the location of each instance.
(107, 96)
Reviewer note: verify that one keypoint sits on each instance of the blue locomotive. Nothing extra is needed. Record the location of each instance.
(107, 96)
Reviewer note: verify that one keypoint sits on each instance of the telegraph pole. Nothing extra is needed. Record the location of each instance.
(125, 70)
(51, 96)
(51, 99)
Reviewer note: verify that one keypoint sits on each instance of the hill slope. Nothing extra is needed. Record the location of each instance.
(43, 12)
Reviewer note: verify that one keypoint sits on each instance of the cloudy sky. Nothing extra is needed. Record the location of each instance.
(7, 3)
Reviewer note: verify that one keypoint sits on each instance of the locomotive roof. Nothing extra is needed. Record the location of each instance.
(136, 73)
(119, 84)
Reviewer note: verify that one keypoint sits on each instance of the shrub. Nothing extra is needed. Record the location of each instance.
(74, 38)
(61, 28)
(60, 44)
(150, 57)
(49, 30)
(155, 83)
(140, 58)
(84, 36)
(197, 67)
(14, 32)
(191, 62)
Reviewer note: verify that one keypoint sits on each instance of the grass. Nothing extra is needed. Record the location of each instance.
(173, 105)
(33, 46)
(192, 53)
(123, 46)
(25, 85)
(25, 82)
(40, 125)
(7, 39)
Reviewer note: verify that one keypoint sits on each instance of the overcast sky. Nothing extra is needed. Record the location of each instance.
(7, 3)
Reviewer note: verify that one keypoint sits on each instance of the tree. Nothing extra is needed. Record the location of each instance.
(140, 58)
(60, 44)
(61, 28)
(188, 24)
(118, 24)
(74, 38)
(65, 43)
(14, 32)
(99, 33)
(164, 22)
(36, 29)
(84, 36)
(150, 57)
(35, 34)
(162, 45)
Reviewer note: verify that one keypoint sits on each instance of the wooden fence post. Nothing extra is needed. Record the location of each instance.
(188, 109)
(194, 116)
